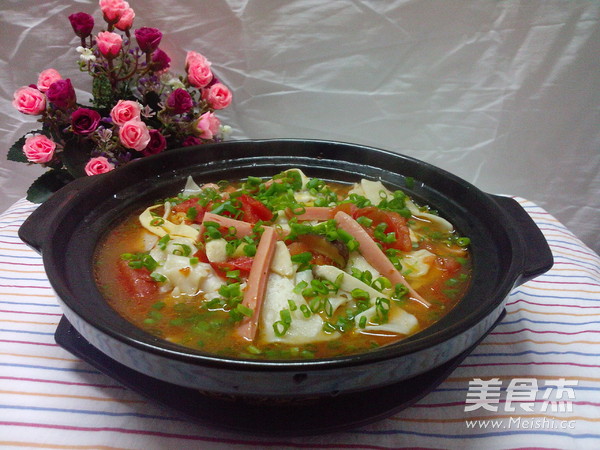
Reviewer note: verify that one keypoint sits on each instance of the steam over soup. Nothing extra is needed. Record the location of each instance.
(286, 268)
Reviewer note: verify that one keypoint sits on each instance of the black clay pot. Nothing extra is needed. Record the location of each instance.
(507, 247)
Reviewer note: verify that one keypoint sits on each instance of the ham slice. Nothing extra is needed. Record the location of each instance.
(243, 229)
(318, 213)
(374, 255)
(257, 283)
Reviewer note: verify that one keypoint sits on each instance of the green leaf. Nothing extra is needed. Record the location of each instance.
(75, 156)
(15, 153)
(48, 184)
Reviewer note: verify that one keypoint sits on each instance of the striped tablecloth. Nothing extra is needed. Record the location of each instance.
(537, 373)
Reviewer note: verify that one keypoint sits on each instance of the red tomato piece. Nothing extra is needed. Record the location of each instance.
(348, 208)
(136, 282)
(449, 265)
(318, 259)
(186, 205)
(254, 210)
(395, 224)
(241, 263)
(201, 255)
(400, 228)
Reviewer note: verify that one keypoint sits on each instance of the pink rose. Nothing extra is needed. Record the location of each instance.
(109, 43)
(198, 70)
(112, 10)
(46, 78)
(124, 111)
(218, 96)
(39, 149)
(29, 101)
(126, 20)
(194, 57)
(207, 125)
(98, 165)
(134, 134)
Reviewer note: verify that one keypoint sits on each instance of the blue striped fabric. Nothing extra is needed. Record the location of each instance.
(51, 399)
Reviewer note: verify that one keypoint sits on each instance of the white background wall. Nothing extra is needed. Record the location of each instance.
(504, 94)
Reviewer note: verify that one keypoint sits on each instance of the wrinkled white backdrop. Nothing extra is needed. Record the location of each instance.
(505, 94)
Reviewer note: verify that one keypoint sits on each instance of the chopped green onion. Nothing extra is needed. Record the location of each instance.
(162, 242)
(463, 241)
(249, 249)
(157, 221)
(185, 250)
(400, 291)
(235, 274)
(300, 287)
(192, 213)
(381, 283)
(253, 350)
(360, 294)
(280, 328)
(364, 221)
(329, 328)
(302, 258)
(297, 209)
(305, 311)
(286, 316)
(242, 309)
(158, 277)
(362, 322)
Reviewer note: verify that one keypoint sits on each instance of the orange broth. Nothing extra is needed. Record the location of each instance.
(207, 324)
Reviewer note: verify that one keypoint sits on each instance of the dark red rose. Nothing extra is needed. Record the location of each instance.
(156, 145)
(148, 38)
(180, 101)
(85, 121)
(190, 141)
(160, 60)
(61, 94)
(82, 24)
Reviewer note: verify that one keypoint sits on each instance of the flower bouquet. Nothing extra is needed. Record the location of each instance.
(138, 108)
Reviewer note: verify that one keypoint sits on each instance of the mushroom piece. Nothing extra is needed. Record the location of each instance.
(335, 250)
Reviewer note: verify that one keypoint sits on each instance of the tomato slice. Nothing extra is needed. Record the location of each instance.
(395, 223)
(254, 210)
(186, 205)
(241, 263)
(348, 208)
(136, 282)
(399, 226)
(318, 259)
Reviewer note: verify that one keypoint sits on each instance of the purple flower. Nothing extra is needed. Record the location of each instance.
(148, 38)
(85, 121)
(82, 24)
(180, 101)
(160, 60)
(156, 145)
(61, 94)
(190, 141)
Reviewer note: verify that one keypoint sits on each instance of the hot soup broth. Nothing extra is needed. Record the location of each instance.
(284, 268)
